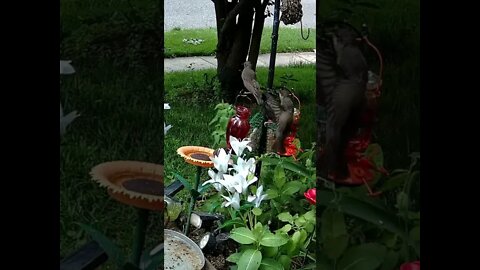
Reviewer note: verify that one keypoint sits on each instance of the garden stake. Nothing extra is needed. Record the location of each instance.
(193, 199)
(140, 231)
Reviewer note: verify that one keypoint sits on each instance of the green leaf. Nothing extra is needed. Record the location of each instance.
(184, 181)
(291, 187)
(334, 246)
(234, 258)
(391, 260)
(286, 164)
(203, 188)
(242, 235)
(114, 252)
(300, 222)
(309, 227)
(279, 177)
(285, 217)
(294, 244)
(389, 239)
(333, 223)
(285, 261)
(395, 182)
(363, 210)
(258, 231)
(310, 216)
(303, 238)
(375, 153)
(246, 206)
(250, 260)
(363, 257)
(415, 239)
(257, 211)
(272, 193)
(273, 240)
(415, 234)
(269, 252)
(270, 264)
(402, 201)
(285, 229)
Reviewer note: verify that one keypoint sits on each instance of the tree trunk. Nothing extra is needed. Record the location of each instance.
(236, 41)
(257, 33)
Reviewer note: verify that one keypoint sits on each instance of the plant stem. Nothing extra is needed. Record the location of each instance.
(193, 199)
(140, 231)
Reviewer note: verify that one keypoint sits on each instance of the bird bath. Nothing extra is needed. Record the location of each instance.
(181, 253)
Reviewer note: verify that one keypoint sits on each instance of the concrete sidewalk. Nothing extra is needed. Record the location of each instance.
(209, 62)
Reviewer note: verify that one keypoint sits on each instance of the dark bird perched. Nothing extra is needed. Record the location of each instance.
(342, 77)
(250, 82)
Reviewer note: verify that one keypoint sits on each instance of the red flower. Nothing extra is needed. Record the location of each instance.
(410, 266)
(361, 169)
(311, 195)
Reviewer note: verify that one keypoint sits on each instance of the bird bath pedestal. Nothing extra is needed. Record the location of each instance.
(137, 184)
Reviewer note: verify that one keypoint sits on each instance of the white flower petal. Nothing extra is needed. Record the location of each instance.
(239, 146)
(66, 68)
(220, 162)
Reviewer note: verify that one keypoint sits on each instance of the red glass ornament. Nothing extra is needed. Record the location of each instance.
(239, 124)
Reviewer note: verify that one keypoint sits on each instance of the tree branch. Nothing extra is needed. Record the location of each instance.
(257, 33)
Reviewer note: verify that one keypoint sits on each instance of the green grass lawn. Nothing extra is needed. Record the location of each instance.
(289, 40)
(190, 115)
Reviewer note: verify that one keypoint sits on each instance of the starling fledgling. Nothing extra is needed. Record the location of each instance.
(250, 82)
(284, 121)
(344, 97)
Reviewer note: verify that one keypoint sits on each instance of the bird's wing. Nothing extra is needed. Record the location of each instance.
(274, 104)
(249, 81)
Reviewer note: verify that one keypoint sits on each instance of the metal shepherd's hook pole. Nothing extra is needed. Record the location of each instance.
(271, 72)
(273, 51)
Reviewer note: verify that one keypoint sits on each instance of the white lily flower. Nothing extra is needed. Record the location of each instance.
(245, 167)
(239, 182)
(66, 68)
(66, 120)
(220, 162)
(248, 183)
(258, 197)
(239, 146)
(166, 128)
(214, 179)
(234, 181)
(233, 201)
(218, 180)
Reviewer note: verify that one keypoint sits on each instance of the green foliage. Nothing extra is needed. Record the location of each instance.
(362, 232)
(224, 112)
(148, 261)
(285, 228)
